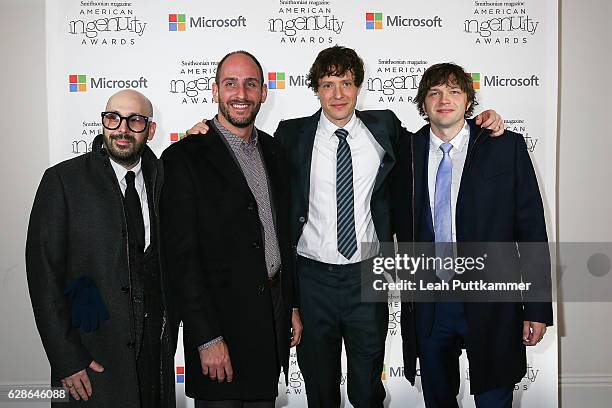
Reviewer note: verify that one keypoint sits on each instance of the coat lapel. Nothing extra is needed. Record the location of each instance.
(421, 189)
(218, 154)
(380, 133)
(305, 144)
(477, 136)
(269, 152)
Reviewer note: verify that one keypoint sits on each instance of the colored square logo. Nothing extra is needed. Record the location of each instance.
(276, 80)
(383, 375)
(475, 77)
(175, 137)
(77, 83)
(374, 21)
(177, 22)
(180, 374)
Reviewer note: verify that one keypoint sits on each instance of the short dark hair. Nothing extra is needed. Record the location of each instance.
(248, 54)
(449, 74)
(335, 61)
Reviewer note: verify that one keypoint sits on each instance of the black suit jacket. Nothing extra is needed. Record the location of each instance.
(215, 258)
(297, 137)
(498, 201)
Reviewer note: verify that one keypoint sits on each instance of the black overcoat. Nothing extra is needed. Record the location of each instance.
(78, 228)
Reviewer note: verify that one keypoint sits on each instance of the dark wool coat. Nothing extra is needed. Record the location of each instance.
(78, 228)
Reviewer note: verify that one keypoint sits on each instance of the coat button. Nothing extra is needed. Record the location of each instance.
(261, 287)
(251, 206)
(130, 344)
(256, 245)
(302, 219)
(125, 289)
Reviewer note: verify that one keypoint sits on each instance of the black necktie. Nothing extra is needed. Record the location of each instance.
(134, 212)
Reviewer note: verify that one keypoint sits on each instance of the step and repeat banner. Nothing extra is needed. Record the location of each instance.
(169, 52)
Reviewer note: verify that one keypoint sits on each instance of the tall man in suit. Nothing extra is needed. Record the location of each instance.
(340, 160)
(92, 260)
(453, 183)
(225, 218)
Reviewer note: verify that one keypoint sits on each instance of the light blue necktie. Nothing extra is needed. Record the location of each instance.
(442, 212)
(347, 240)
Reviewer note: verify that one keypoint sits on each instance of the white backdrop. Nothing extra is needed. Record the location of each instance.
(169, 50)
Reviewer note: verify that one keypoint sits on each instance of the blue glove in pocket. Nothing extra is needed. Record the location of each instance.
(86, 305)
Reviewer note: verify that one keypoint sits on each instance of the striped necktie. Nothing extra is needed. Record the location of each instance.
(347, 240)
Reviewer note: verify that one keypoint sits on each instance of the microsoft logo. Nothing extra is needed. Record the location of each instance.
(383, 375)
(475, 77)
(177, 22)
(175, 137)
(374, 21)
(180, 374)
(77, 83)
(276, 80)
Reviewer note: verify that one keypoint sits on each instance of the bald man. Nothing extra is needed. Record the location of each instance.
(92, 261)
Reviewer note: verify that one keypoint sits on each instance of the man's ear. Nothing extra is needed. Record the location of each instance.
(151, 130)
(215, 92)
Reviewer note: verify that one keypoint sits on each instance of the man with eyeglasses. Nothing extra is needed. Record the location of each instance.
(93, 267)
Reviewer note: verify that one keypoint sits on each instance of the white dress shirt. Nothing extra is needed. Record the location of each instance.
(458, 155)
(319, 237)
(139, 183)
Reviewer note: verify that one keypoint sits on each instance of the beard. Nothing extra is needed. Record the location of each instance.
(239, 122)
(124, 155)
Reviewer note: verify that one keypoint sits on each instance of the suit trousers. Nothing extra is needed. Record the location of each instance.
(332, 311)
(439, 361)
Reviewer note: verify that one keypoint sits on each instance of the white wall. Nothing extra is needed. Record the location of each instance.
(24, 149)
(585, 193)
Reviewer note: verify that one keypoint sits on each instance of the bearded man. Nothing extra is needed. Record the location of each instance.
(93, 267)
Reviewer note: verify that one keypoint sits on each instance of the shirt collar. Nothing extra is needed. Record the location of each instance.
(329, 128)
(459, 142)
(121, 171)
(234, 139)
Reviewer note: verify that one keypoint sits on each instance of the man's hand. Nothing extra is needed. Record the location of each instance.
(296, 328)
(490, 119)
(216, 364)
(79, 385)
(199, 128)
(533, 332)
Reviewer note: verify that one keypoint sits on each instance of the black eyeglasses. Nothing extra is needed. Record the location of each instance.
(136, 123)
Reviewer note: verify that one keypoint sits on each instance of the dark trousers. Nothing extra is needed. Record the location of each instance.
(331, 310)
(439, 362)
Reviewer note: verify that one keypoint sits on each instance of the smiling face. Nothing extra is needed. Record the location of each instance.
(338, 97)
(445, 106)
(239, 92)
(122, 144)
